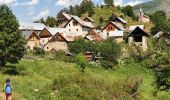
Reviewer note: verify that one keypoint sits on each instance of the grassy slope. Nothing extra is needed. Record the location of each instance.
(40, 74)
(106, 12)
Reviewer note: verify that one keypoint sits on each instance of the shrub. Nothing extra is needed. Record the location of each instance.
(110, 52)
(38, 51)
(82, 46)
(81, 62)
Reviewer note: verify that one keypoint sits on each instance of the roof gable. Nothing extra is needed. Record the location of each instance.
(45, 33)
(113, 24)
(137, 32)
(27, 34)
(81, 22)
(121, 20)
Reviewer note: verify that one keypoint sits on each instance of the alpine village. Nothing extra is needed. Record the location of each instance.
(87, 52)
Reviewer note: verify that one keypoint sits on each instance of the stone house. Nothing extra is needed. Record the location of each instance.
(58, 42)
(76, 26)
(138, 37)
(48, 33)
(32, 39)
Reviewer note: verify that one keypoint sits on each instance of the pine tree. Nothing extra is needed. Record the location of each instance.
(12, 43)
(101, 20)
(50, 21)
(109, 2)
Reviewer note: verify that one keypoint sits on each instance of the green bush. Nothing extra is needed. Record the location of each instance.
(81, 62)
(110, 53)
(82, 46)
(38, 51)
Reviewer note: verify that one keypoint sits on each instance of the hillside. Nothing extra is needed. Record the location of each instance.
(152, 6)
(106, 12)
(56, 80)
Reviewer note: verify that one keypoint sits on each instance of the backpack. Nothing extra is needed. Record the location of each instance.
(8, 89)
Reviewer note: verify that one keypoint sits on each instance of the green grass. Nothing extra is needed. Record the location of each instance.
(70, 83)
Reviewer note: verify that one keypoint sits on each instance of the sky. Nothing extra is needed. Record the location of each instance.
(32, 10)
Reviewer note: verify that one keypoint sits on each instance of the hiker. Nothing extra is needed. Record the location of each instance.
(8, 89)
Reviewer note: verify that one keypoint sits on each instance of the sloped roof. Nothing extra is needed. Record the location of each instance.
(122, 20)
(89, 19)
(31, 26)
(81, 22)
(53, 31)
(68, 16)
(27, 34)
(138, 32)
(116, 34)
(159, 34)
(119, 27)
(131, 28)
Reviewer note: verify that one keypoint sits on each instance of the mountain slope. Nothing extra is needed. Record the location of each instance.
(152, 6)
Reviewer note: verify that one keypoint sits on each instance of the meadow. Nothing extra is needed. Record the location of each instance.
(56, 80)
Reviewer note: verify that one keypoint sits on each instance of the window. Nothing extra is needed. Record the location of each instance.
(77, 29)
(69, 24)
(47, 48)
(69, 30)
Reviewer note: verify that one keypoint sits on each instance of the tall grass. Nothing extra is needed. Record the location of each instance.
(55, 80)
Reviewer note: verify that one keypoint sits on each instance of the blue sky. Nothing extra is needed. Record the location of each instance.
(31, 10)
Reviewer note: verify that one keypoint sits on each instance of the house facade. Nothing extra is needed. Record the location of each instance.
(76, 26)
(47, 34)
(138, 37)
(112, 29)
(58, 42)
(32, 40)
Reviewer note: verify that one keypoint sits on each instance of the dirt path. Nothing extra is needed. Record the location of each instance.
(2, 96)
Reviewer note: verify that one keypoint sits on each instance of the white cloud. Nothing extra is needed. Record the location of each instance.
(66, 3)
(42, 14)
(118, 2)
(7, 1)
(29, 3)
(132, 3)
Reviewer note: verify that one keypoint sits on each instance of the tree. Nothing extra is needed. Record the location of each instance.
(71, 10)
(83, 46)
(81, 62)
(109, 2)
(160, 22)
(51, 21)
(110, 52)
(101, 20)
(128, 10)
(12, 43)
